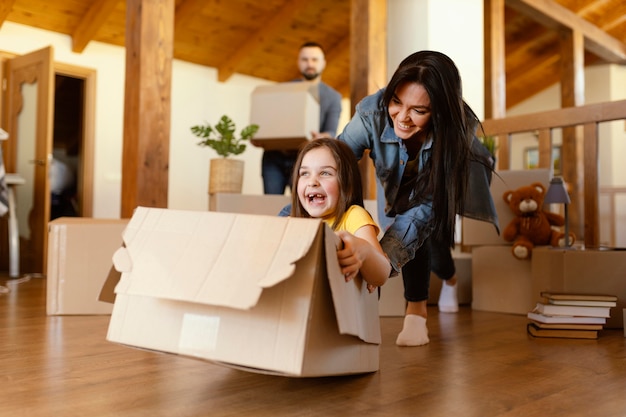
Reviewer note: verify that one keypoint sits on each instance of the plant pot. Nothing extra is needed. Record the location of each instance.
(225, 175)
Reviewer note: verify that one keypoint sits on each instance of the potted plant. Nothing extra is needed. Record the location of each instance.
(225, 173)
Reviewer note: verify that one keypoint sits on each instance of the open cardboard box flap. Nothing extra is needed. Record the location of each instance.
(219, 259)
(267, 277)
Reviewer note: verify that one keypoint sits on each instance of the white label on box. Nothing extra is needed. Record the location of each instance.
(198, 333)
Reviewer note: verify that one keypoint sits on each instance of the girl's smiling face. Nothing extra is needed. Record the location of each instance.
(318, 183)
(409, 110)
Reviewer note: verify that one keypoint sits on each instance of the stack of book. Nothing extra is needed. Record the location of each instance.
(572, 316)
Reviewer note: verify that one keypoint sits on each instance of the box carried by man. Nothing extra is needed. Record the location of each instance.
(286, 113)
(259, 293)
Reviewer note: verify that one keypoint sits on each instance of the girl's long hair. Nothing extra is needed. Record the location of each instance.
(452, 126)
(348, 177)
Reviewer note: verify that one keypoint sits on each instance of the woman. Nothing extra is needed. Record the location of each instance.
(420, 134)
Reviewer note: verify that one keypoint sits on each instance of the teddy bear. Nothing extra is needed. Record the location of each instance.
(531, 225)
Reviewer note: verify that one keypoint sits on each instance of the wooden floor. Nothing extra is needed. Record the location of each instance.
(477, 364)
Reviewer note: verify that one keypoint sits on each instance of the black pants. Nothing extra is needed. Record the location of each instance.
(432, 255)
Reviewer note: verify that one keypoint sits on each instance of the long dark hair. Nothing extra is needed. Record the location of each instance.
(452, 127)
(348, 177)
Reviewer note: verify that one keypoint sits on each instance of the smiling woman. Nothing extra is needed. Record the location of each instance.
(420, 134)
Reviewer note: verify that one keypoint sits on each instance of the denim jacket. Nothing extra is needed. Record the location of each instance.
(370, 130)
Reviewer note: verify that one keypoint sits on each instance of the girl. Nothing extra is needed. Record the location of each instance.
(327, 185)
(420, 134)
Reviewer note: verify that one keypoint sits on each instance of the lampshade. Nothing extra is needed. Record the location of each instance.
(557, 194)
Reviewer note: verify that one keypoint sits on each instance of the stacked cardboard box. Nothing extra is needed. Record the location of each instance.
(500, 282)
(80, 252)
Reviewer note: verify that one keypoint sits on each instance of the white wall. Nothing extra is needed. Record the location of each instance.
(453, 27)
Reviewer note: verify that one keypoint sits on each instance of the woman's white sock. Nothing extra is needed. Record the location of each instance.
(414, 332)
(448, 301)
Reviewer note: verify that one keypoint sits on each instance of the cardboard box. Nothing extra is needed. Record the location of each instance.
(475, 232)
(267, 204)
(80, 252)
(581, 271)
(392, 302)
(286, 113)
(500, 282)
(463, 265)
(259, 293)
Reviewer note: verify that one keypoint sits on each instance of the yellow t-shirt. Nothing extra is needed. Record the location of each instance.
(355, 218)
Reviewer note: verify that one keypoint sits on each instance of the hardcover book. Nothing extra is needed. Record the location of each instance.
(536, 331)
(566, 310)
(542, 318)
(591, 300)
(578, 297)
(568, 326)
(588, 303)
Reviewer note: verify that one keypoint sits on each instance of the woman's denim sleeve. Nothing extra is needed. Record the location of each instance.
(355, 134)
(406, 234)
(285, 211)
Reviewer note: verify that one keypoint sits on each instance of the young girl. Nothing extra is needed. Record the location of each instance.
(327, 185)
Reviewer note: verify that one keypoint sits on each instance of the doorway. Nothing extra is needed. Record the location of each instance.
(57, 165)
(67, 140)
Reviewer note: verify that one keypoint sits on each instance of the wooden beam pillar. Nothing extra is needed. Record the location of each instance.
(572, 65)
(147, 107)
(495, 72)
(368, 65)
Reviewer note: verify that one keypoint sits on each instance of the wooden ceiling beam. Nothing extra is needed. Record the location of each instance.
(5, 9)
(186, 10)
(555, 16)
(147, 104)
(95, 17)
(261, 37)
(495, 59)
(368, 66)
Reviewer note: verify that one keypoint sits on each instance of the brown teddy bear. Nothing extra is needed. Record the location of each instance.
(531, 225)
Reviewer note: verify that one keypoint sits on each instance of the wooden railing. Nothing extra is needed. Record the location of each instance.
(611, 193)
(543, 124)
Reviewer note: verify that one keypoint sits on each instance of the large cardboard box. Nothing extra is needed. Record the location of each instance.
(582, 271)
(286, 113)
(501, 283)
(80, 252)
(260, 293)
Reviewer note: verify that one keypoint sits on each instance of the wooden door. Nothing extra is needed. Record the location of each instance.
(28, 115)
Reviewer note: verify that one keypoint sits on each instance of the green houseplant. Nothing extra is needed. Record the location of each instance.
(225, 173)
(221, 137)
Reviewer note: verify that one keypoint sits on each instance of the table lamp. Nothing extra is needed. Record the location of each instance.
(557, 194)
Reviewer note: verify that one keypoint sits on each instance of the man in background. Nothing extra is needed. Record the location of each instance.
(277, 165)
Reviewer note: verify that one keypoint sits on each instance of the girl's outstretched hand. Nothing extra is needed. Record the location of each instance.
(350, 255)
(357, 255)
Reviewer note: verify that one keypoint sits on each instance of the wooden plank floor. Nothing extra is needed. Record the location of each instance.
(477, 364)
